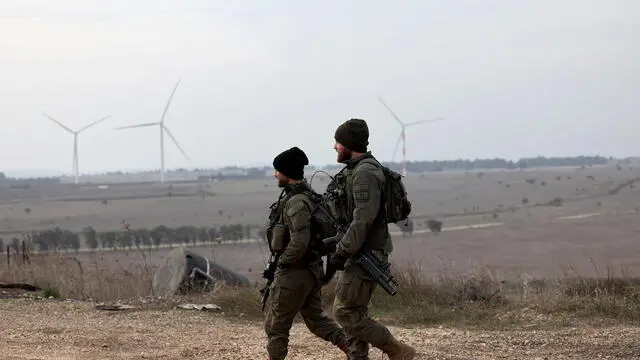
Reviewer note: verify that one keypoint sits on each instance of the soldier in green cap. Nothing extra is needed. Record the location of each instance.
(367, 229)
(296, 286)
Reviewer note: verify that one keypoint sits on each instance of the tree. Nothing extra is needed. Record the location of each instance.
(90, 237)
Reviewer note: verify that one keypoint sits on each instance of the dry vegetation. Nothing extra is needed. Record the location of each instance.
(448, 317)
(449, 313)
(477, 297)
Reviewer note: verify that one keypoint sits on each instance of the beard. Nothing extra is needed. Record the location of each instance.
(345, 155)
(282, 183)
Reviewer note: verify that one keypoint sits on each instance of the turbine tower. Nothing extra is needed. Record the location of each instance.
(162, 127)
(75, 166)
(402, 137)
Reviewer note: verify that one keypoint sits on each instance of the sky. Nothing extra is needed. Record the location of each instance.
(508, 79)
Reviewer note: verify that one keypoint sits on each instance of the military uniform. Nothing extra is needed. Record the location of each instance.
(296, 287)
(361, 209)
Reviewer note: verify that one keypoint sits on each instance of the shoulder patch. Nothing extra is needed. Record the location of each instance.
(361, 192)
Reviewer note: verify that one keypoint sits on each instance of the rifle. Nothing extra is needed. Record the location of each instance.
(377, 270)
(366, 259)
(272, 265)
(330, 243)
(269, 274)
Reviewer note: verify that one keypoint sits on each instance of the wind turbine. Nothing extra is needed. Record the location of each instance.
(162, 128)
(75, 165)
(402, 136)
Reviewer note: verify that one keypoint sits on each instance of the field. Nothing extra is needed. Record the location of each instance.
(525, 227)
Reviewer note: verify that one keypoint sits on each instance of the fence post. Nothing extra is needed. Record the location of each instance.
(8, 256)
(25, 257)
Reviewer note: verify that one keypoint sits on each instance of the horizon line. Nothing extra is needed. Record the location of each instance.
(58, 173)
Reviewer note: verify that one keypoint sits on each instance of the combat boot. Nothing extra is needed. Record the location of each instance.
(397, 350)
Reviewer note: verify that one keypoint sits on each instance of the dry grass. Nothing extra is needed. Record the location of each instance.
(477, 298)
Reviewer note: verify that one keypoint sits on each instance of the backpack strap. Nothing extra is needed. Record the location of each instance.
(372, 160)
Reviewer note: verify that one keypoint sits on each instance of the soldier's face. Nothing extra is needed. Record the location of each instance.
(344, 154)
(282, 180)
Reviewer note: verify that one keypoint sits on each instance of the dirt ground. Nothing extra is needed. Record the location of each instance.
(66, 330)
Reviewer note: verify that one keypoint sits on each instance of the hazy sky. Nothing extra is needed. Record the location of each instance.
(510, 78)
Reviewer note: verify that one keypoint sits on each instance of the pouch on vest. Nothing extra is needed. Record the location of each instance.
(278, 237)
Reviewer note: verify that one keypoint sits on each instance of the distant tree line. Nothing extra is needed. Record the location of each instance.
(458, 164)
(236, 172)
(28, 182)
(58, 239)
(495, 163)
(498, 163)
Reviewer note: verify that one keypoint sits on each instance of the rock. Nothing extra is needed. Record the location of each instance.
(114, 307)
(207, 307)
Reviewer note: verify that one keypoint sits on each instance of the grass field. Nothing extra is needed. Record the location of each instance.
(547, 226)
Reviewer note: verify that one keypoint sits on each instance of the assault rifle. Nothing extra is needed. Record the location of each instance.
(272, 265)
(366, 259)
(269, 274)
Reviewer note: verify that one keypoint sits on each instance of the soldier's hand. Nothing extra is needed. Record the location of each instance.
(337, 261)
(267, 273)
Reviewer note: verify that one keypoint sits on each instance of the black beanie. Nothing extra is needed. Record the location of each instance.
(291, 163)
(354, 135)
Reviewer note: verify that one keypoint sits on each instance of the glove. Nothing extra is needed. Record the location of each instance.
(266, 274)
(337, 261)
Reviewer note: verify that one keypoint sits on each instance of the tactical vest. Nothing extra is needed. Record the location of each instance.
(278, 234)
(342, 205)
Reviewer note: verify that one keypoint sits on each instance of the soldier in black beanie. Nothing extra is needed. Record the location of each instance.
(299, 266)
(290, 163)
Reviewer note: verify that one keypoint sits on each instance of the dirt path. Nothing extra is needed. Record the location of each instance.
(64, 330)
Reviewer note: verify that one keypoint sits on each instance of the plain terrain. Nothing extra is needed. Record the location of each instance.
(533, 239)
(543, 224)
(63, 330)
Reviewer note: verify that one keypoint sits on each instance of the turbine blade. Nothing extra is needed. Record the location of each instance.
(137, 126)
(395, 150)
(423, 121)
(94, 123)
(166, 107)
(58, 122)
(175, 141)
(390, 111)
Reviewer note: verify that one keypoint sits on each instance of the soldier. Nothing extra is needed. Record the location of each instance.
(367, 228)
(296, 285)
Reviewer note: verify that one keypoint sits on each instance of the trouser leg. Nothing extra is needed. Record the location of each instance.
(351, 305)
(283, 307)
(319, 322)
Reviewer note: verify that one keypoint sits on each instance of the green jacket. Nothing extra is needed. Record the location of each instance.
(296, 215)
(363, 195)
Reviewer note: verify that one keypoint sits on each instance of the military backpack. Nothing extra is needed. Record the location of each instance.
(321, 226)
(395, 202)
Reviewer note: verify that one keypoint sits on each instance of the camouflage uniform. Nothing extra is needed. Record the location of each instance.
(296, 287)
(367, 230)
